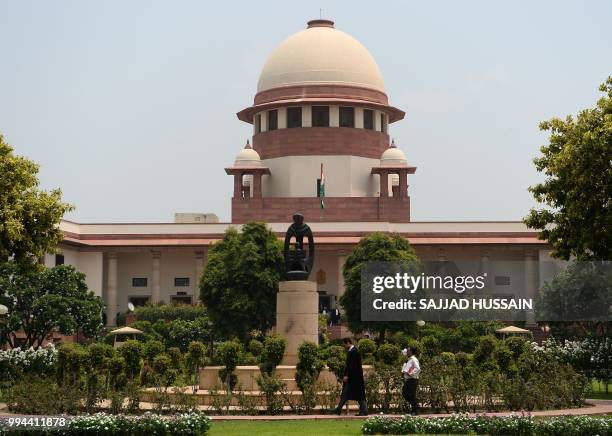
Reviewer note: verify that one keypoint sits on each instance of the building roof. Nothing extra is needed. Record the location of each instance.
(320, 54)
(110, 235)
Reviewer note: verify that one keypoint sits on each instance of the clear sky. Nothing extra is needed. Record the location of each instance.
(129, 106)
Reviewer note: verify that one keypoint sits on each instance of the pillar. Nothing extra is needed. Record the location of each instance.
(384, 184)
(297, 315)
(403, 184)
(155, 276)
(200, 260)
(530, 283)
(238, 185)
(111, 290)
(257, 185)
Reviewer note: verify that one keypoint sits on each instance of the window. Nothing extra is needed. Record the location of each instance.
(139, 282)
(139, 301)
(294, 117)
(318, 187)
(347, 117)
(59, 259)
(502, 280)
(181, 281)
(180, 299)
(383, 123)
(320, 116)
(273, 120)
(258, 123)
(368, 119)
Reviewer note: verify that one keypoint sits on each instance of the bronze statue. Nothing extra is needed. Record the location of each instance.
(298, 264)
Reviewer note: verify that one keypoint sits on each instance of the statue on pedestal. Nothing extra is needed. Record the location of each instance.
(298, 263)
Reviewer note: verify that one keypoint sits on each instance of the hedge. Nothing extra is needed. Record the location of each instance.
(515, 425)
(193, 423)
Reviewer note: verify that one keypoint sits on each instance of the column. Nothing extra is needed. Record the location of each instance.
(282, 117)
(306, 116)
(334, 116)
(403, 184)
(257, 184)
(200, 260)
(238, 185)
(111, 290)
(341, 262)
(359, 117)
(155, 276)
(530, 283)
(384, 183)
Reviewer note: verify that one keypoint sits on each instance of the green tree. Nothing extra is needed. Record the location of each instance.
(41, 301)
(375, 247)
(29, 216)
(240, 281)
(577, 190)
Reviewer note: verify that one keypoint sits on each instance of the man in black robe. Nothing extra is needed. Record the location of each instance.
(353, 387)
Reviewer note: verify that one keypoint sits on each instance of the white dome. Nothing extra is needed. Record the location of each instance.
(247, 157)
(320, 54)
(393, 157)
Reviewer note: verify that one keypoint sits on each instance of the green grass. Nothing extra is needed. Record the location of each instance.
(599, 391)
(301, 427)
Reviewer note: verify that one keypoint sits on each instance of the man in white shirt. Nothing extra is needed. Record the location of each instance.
(410, 371)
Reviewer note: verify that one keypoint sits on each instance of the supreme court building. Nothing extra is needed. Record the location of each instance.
(320, 100)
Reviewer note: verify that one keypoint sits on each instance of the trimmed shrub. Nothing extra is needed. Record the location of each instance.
(489, 425)
(272, 353)
(389, 354)
(229, 354)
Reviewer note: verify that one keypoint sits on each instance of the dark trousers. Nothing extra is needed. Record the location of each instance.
(363, 409)
(409, 393)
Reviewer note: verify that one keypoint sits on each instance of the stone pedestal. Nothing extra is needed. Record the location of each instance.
(297, 315)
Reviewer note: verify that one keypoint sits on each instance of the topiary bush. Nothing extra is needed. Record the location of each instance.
(307, 372)
(255, 347)
(273, 351)
(389, 354)
(229, 354)
(367, 350)
(152, 349)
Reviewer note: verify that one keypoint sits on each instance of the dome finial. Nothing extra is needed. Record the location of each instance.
(248, 144)
(393, 143)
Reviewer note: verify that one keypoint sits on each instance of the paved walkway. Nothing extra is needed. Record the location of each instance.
(594, 407)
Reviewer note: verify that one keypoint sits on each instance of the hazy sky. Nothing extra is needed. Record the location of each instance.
(129, 106)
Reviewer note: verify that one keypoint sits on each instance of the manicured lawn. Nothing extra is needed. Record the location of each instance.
(303, 427)
(599, 391)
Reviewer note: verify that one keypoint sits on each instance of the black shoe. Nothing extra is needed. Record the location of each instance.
(361, 414)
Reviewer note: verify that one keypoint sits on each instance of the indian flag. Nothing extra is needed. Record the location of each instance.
(322, 189)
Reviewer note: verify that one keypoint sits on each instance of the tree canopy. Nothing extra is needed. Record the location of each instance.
(577, 190)
(43, 300)
(375, 247)
(240, 280)
(29, 216)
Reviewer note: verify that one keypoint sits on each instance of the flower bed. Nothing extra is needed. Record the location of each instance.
(193, 423)
(517, 425)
